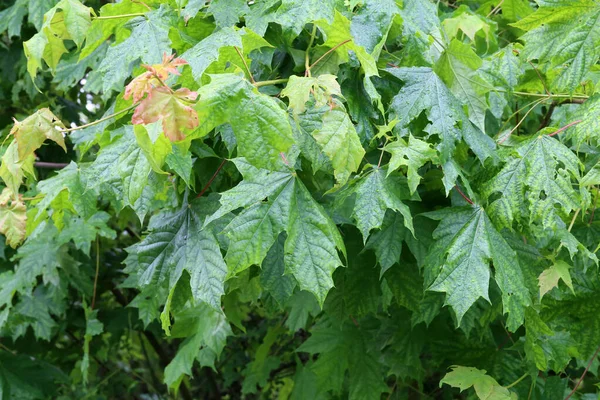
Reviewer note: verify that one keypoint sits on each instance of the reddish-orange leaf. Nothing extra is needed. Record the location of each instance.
(168, 66)
(140, 86)
(170, 107)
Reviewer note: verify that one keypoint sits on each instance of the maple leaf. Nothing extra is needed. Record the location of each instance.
(563, 35)
(549, 278)
(155, 77)
(542, 166)
(172, 108)
(485, 386)
(466, 241)
(35, 129)
(12, 218)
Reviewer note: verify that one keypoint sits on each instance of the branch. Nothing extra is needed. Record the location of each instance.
(49, 165)
(464, 196)
(565, 127)
(334, 48)
(583, 375)
(121, 16)
(101, 119)
(210, 181)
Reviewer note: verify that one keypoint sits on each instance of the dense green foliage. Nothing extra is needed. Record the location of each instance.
(299, 199)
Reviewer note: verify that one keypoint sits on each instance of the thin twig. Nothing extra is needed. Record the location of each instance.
(565, 128)
(583, 375)
(537, 103)
(548, 116)
(245, 64)
(517, 381)
(334, 48)
(464, 196)
(49, 165)
(205, 188)
(101, 119)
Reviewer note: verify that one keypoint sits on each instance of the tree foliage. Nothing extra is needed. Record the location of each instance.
(299, 199)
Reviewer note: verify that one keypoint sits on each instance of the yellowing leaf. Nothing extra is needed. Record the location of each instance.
(299, 89)
(170, 107)
(12, 218)
(144, 83)
(549, 278)
(33, 130)
(485, 386)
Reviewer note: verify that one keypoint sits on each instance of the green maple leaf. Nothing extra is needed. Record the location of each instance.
(413, 153)
(549, 278)
(564, 36)
(206, 51)
(339, 141)
(458, 67)
(148, 42)
(587, 129)
(172, 108)
(122, 169)
(100, 30)
(12, 218)
(178, 242)
(294, 14)
(425, 91)
(377, 192)
(72, 180)
(371, 23)
(69, 19)
(11, 18)
(485, 386)
(459, 263)
(516, 10)
(253, 232)
(260, 125)
(538, 176)
(14, 169)
(312, 237)
(202, 327)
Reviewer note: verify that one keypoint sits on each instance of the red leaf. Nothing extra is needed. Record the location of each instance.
(170, 107)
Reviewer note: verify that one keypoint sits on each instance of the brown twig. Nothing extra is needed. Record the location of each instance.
(334, 48)
(464, 196)
(565, 127)
(583, 375)
(205, 188)
(49, 165)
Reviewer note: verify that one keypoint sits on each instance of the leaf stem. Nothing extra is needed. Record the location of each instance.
(565, 127)
(583, 375)
(245, 64)
(210, 181)
(334, 48)
(464, 196)
(525, 375)
(120, 16)
(101, 119)
(307, 54)
(270, 82)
